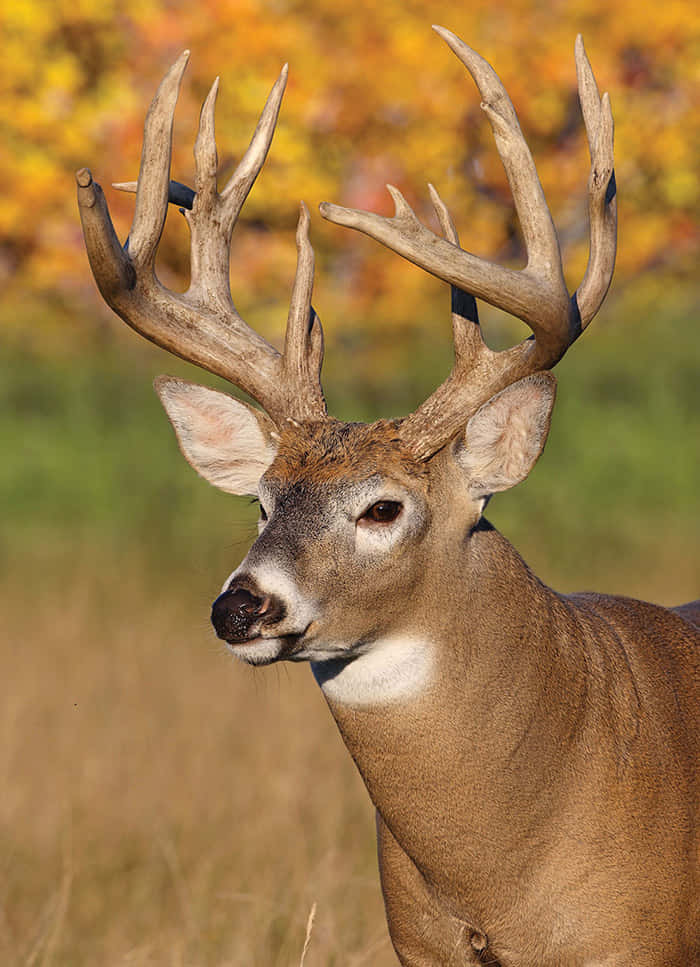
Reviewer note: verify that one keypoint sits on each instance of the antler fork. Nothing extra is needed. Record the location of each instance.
(203, 325)
(536, 294)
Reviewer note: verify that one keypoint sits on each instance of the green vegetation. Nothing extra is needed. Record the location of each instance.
(89, 459)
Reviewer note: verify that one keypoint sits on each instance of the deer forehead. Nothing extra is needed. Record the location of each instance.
(332, 452)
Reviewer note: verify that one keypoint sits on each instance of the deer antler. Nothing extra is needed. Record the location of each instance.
(203, 325)
(536, 294)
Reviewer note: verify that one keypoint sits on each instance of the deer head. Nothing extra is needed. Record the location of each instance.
(350, 513)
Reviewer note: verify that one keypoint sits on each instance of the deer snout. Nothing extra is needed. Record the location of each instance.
(241, 612)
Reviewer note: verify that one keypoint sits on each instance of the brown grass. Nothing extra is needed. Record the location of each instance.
(162, 804)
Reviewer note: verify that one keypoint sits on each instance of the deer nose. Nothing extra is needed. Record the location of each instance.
(234, 612)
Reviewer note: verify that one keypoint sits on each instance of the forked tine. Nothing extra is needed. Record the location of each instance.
(214, 214)
(536, 294)
(515, 292)
(203, 325)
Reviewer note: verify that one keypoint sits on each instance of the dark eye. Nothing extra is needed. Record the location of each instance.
(263, 513)
(383, 512)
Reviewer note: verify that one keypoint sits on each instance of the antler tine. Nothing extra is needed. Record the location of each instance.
(203, 325)
(242, 180)
(154, 174)
(466, 331)
(548, 317)
(538, 230)
(206, 159)
(299, 387)
(209, 250)
(602, 192)
(536, 294)
(113, 269)
(434, 420)
(303, 345)
(213, 215)
(110, 264)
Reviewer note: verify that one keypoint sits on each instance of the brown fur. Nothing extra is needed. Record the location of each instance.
(536, 803)
(542, 794)
(330, 450)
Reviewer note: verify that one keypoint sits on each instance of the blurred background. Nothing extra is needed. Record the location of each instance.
(160, 804)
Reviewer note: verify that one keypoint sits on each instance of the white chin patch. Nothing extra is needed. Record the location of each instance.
(390, 670)
(259, 651)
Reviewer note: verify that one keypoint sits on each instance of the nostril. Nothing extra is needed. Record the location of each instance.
(244, 601)
(265, 606)
(236, 611)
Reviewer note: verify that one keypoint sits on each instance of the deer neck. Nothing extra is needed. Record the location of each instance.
(471, 748)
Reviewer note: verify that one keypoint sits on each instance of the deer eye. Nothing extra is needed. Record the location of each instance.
(383, 512)
(263, 513)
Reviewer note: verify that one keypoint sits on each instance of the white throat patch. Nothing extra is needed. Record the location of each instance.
(390, 670)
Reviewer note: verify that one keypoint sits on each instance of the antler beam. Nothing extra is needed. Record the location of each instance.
(203, 325)
(536, 294)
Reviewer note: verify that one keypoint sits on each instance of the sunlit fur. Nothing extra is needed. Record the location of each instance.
(330, 451)
(530, 754)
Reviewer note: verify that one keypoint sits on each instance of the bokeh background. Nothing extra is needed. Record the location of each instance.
(160, 804)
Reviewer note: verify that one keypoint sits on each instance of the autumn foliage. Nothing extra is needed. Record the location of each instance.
(374, 97)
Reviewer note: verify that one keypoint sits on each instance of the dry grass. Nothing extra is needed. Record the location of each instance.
(162, 804)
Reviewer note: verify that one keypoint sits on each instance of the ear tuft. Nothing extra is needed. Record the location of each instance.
(228, 442)
(506, 435)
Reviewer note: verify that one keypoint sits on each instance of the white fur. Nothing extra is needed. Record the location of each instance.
(389, 670)
(379, 538)
(260, 651)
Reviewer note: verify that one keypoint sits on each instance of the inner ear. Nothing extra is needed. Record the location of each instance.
(506, 435)
(228, 442)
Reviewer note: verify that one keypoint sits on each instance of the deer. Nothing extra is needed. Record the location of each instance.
(531, 756)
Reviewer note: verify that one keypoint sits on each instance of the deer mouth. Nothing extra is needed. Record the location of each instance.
(264, 649)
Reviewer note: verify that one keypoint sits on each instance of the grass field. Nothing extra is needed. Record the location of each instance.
(162, 804)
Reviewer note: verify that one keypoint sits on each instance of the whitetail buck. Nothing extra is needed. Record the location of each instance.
(531, 755)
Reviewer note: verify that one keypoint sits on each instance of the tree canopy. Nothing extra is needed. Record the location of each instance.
(374, 97)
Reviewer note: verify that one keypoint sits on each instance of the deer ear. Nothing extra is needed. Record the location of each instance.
(506, 435)
(227, 442)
